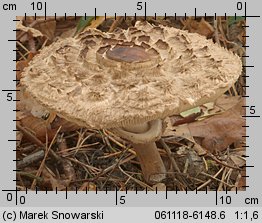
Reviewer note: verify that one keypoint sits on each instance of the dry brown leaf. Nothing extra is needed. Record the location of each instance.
(222, 104)
(32, 31)
(225, 102)
(201, 27)
(220, 131)
(37, 119)
(68, 26)
(37, 28)
(47, 28)
(28, 106)
(68, 33)
(38, 128)
(20, 65)
(215, 133)
(41, 129)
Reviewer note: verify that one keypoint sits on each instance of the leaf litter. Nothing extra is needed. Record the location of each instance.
(201, 148)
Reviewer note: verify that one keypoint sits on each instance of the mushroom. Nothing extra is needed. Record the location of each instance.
(128, 81)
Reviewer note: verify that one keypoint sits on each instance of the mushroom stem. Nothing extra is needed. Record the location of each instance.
(143, 137)
(151, 163)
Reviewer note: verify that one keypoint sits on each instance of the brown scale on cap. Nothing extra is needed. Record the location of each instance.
(128, 54)
(130, 80)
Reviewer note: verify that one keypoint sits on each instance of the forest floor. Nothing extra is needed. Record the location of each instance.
(202, 148)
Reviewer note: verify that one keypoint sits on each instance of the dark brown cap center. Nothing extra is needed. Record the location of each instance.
(128, 54)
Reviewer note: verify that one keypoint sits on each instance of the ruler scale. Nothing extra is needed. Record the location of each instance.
(114, 204)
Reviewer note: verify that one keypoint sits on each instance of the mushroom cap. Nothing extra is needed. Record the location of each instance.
(109, 80)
